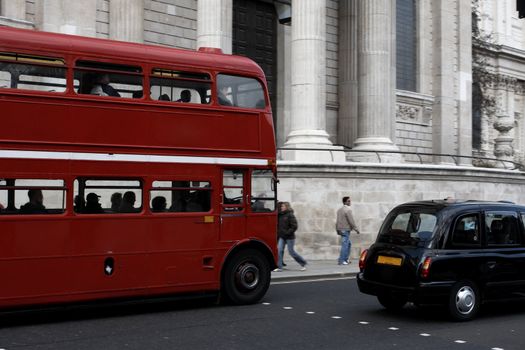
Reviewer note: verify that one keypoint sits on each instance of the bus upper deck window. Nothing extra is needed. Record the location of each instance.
(108, 79)
(179, 86)
(38, 73)
(240, 92)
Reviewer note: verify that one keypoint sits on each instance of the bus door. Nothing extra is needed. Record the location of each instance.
(233, 204)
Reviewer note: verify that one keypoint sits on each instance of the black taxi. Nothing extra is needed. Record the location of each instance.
(459, 254)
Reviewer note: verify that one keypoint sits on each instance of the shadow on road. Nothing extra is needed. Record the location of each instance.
(419, 314)
(103, 309)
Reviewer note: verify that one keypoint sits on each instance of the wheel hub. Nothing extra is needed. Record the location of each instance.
(465, 300)
(247, 276)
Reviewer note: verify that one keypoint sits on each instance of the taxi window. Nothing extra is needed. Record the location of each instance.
(466, 233)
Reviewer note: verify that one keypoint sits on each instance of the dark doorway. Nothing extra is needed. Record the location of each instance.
(254, 36)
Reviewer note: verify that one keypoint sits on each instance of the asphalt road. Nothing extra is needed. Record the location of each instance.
(307, 315)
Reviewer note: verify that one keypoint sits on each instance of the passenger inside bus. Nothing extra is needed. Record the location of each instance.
(101, 87)
(164, 97)
(185, 96)
(116, 201)
(223, 99)
(35, 204)
(79, 204)
(158, 204)
(128, 203)
(92, 204)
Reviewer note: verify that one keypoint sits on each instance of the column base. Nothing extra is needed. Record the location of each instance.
(311, 146)
(375, 150)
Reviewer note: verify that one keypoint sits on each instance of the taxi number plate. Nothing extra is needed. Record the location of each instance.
(388, 260)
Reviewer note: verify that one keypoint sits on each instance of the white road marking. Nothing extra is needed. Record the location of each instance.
(460, 341)
(364, 322)
(287, 307)
(393, 328)
(497, 349)
(266, 303)
(336, 317)
(310, 312)
(425, 335)
(314, 280)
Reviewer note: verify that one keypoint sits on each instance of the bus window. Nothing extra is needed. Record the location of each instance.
(233, 183)
(105, 79)
(263, 191)
(28, 72)
(32, 196)
(183, 87)
(107, 196)
(180, 196)
(240, 92)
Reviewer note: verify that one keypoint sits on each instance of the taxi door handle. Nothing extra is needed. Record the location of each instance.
(491, 264)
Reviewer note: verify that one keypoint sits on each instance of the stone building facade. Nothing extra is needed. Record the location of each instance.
(371, 98)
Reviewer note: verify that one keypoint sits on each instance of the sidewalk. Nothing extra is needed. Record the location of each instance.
(315, 269)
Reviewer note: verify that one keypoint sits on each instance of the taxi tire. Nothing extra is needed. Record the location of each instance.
(464, 300)
(246, 277)
(391, 303)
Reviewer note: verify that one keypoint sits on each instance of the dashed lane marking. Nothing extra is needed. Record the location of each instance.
(497, 349)
(287, 307)
(393, 328)
(460, 341)
(424, 335)
(314, 280)
(364, 322)
(266, 303)
(310, 312)
(336, 317)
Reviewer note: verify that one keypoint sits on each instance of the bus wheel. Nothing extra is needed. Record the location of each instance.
(246, 277)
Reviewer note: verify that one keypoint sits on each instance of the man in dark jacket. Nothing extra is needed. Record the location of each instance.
(287, 225)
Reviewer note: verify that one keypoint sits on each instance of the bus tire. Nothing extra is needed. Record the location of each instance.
(246, 277)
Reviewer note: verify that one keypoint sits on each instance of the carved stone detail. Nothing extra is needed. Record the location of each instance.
(410, 113)
(503, 148)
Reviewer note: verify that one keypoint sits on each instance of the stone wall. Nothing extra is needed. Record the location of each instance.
(315, 192)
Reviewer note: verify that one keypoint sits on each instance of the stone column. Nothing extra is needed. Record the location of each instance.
(465, 81)
(308, 114)
(13, 14)
(66, 16)
(126, 20)
(375, 93)
(444, 86)
(13, 9)
(214, 24)
(348, 77)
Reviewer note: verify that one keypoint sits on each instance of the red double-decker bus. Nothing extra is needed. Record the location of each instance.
(130, 170)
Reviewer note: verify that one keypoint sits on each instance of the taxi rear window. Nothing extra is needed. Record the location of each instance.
(408, 227)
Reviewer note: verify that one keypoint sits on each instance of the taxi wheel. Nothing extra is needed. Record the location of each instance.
(391, 303)
(464, 301)
(246, 277)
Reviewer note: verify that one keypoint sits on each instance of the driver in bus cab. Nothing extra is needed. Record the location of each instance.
(102, 87)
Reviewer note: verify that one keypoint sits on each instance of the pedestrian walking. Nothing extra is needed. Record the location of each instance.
(344, 225)
(286, 232)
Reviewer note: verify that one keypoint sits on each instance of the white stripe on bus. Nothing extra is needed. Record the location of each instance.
(115, 157)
